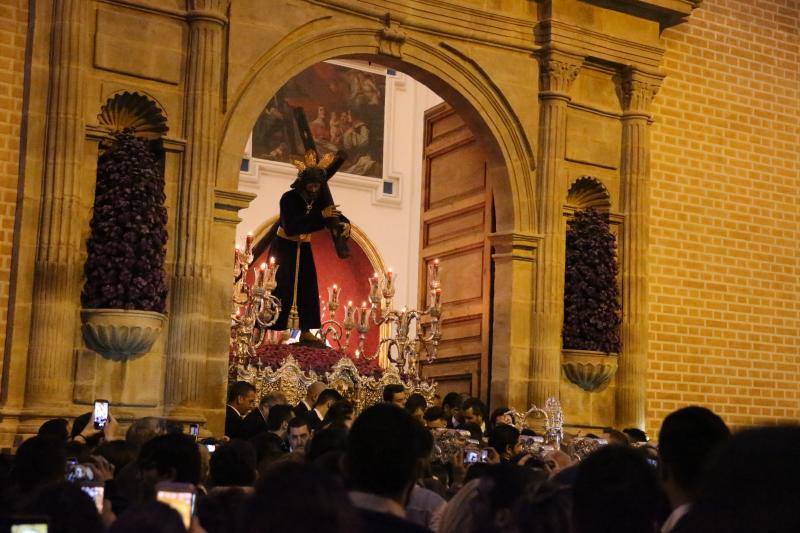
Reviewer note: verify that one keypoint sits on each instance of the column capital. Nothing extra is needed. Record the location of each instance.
(209, 10)
(557, 71)
(637, 91)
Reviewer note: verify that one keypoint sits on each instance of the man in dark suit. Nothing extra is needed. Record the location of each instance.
(241, 399)
(386, 452)
(307, 404)
(321, 406)
(256, 421)
(688, 439)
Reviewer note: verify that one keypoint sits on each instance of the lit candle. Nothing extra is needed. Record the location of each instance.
(389, 285)
(365, 313)
(272, 271)
(333, 294)
(261, 272)
(437, 298)
(349, 316)
(248, 241)
(375, 289)
(433, 274)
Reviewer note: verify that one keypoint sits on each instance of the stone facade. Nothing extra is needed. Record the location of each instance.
(725, 222)
(13, 34)
(558, 90)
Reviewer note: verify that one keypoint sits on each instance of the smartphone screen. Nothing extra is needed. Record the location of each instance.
(29, 528)
(96, 492)
(211, 448)
(485, 455)
(100, 413)
(179, 496)
(194, 430)
(471, 456)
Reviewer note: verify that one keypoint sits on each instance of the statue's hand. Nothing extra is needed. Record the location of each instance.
(331, 211)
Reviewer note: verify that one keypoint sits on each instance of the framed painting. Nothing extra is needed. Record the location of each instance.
(345, 108)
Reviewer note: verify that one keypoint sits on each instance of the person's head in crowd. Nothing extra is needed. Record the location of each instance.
(295, 496)
(486, 502)
(547, 511)
(636, 435)
(498, 416)
(451, 405)
(474, 411)
(278, 419)
(117, 452)
(474, 429)
(340, 413)
(616, 491)
(687, 440)
(395, 394)
(325, 399)
(268, 401)
(331, 438)
(144, 429)
(219, 511)
(505, 440)
(416, 405)
(150, 517)
(67, 508)
(233, 464)
(616, 437)
(39, 461)
(312, 392)
(242, 397)
(386, 452)
(435, 418)
(298, 434)
(269, 448)
(57, 428)
(753, 484)
(171, 457)
(80, 423)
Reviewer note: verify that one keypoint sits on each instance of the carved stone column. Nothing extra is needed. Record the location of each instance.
(557, 71)
(187, 342)
(55, 305)
(514, 260)
(637, 91)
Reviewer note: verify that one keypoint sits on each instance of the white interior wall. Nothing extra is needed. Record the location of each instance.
(392, 222)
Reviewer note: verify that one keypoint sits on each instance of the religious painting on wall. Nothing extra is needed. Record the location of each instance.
(345, 111)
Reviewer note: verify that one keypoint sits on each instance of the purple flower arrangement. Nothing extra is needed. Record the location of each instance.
(126, 248)
(591, 300)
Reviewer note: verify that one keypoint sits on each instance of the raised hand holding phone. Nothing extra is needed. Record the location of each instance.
(179, 496)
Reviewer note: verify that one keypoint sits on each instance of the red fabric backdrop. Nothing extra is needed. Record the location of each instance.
(350, 274)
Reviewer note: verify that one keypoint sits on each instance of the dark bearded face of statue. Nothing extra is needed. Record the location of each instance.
(312, 189)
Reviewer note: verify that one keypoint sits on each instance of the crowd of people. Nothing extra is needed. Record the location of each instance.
(319, 466)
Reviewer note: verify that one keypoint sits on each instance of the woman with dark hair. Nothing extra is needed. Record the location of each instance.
(57, 428)
(498, 416)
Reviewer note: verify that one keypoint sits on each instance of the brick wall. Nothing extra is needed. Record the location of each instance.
(725, 238)
(13, 32)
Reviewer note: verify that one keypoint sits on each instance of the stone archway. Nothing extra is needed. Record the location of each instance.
(483, 107)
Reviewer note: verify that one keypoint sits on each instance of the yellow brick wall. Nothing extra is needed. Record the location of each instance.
(13, 32)
(725, 238)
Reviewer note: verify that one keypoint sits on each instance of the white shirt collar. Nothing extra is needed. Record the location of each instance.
(675, 517)
(378, 504)
(236, 410)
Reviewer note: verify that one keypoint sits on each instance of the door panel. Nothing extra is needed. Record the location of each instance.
(456, 219)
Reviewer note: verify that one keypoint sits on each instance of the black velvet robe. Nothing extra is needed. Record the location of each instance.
(295, 219)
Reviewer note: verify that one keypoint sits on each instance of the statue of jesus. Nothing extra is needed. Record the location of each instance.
(305, 209)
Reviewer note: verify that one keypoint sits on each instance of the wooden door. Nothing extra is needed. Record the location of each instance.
(456, 219)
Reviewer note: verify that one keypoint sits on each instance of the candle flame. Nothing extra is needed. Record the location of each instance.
(436, 261)
(350, 302)
(334, 286)
(263, 266)
(271, 260)
(363, 304)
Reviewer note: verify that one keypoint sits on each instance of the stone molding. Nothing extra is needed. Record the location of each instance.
(391, 38)
(515, 245)
(448, 19)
